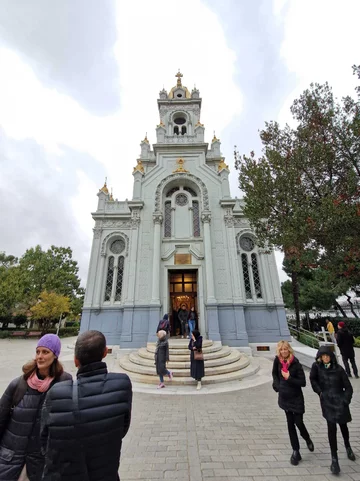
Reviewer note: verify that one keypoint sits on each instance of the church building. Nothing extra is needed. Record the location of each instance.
(181, 239)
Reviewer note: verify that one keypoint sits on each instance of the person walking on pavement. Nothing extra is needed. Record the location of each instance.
(331, 330)
(288, 381)
(83, 422)
(20, 412)
(197, 366)
(162, 358)
(330, 381)
(183, 318)
(345, 341)
(192, 320)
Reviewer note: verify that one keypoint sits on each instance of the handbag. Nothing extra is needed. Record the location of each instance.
(198, 356)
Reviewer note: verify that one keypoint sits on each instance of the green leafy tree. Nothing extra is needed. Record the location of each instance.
(50, 308)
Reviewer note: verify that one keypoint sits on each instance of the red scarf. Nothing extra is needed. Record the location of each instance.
(286, 364)
(41, 385)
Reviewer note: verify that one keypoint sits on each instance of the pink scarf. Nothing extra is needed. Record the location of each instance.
(285, 364)
(41, 385)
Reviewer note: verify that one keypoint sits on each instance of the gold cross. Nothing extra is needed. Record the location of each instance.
(179, 75)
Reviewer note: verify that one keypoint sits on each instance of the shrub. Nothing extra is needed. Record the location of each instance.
(357, 342)
(5, 334)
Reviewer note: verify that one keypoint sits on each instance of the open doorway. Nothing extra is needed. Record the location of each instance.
(183, 291)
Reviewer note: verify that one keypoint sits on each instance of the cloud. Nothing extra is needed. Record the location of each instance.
(69, 45)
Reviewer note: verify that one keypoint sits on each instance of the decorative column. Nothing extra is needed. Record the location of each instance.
(98, 287)
(155, 295)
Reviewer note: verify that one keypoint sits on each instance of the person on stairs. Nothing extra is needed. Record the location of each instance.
(164, 325)
(288, 381)
(162, 358)
(330, 381)
(197, 368)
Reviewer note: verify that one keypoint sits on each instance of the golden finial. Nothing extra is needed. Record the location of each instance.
(180, 169)
(215, 139)
(146, 139)
(222, 165)
(161, 124)
(104, 187)
(179, 76)
(199, 124)
(111, 195)
(139, 167)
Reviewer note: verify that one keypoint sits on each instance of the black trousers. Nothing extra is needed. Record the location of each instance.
(353, 365)
(293, 420)
(333, 439)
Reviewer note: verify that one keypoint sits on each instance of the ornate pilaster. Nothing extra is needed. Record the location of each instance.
(155, 296)
(206, 219)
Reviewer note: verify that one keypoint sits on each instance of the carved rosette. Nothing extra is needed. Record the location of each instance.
(206, 217)
(157, 218)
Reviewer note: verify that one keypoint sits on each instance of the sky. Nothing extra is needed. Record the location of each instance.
(79, 83)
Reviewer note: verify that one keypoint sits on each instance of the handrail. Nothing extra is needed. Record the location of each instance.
(306, 337)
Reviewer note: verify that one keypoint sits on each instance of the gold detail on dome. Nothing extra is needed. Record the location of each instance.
(178, 85)
(111, 196)
(180, 169)
(146, 140)
(179, 76)
(199, 124)
(222, 165)
(139, 167)
(161, 124)
(215, 139)
(104, 188)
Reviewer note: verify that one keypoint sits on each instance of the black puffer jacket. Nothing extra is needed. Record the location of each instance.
(161, 356)
(345, 341)
(333, 387)
(291, 397)
(20, 433)
(86, 446)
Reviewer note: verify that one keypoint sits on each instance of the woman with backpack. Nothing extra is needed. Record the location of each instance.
(20, 412)
(164, 325)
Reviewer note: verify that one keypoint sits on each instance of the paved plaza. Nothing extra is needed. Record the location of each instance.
(229, 436)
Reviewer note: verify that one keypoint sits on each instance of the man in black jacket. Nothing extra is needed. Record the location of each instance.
(345, 342)
(83, 423)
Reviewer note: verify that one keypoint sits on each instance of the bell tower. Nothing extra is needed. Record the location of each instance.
(179, 112)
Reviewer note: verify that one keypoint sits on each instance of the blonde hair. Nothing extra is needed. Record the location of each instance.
(161, 334)
(282, 344)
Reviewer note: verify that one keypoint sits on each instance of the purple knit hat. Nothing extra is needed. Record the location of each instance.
(52, 342)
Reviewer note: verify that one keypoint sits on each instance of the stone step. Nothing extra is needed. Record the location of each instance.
(184, 363)
(184, 356)
(126, 363)
(238, 375)
(178, 350)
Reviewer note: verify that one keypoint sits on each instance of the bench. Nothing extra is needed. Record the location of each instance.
(19, 334)
(34, 334)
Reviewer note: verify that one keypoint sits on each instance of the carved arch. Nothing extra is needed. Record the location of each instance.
(115, 234)
(192, 178)
(242, 232)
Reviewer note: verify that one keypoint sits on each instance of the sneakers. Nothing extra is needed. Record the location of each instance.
(335, 468)
(198, 387)
(161, 385)
(350, 454)
(171, 375)
(310, 445)
(295, 458)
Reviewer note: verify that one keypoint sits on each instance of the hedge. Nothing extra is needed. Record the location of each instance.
(63, 332)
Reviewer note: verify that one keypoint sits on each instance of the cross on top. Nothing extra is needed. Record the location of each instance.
(179, 75)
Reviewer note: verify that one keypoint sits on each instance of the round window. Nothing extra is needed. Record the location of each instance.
(117, 246)
(181, 200)
(246, 243)
(179, 121)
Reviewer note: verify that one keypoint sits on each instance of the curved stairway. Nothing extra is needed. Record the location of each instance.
(222, 363)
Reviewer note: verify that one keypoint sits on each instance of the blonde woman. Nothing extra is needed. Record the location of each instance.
(288, 381)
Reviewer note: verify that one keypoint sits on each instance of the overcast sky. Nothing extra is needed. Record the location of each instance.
(80, 78)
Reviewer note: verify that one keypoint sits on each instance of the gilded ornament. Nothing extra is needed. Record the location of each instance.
(139, 167)
(104, 188)
(222, 165)
(180, 169)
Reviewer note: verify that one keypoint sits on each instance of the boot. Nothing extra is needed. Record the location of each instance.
(350, 453)
(335, 468)
(295, 458)
(310, 445)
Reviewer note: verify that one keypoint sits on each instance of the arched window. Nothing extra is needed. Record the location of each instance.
(167, 220)
(196, 218)
(247, 283)
(115, 270)
(183, 130)
(256, 275)
(176, 130)
(250, 268)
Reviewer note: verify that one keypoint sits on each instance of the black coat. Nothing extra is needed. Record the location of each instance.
(161, 356)
(345, 341)
(290, 397)
(86, 447)
(333, 387)
(20, 433)
(197, 368)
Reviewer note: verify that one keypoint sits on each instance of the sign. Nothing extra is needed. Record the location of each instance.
(182, 259)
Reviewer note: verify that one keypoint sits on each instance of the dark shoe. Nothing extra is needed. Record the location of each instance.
(356, 376)
(335, 468)
(350, 454)
(295, 458)
(310, 445)
(349, 375)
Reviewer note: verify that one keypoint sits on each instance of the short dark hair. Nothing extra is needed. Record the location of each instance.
(196, 333)
(90, 347)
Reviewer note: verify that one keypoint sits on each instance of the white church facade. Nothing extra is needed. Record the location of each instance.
(182, 239)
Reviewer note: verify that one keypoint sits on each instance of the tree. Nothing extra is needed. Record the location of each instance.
(49, 309)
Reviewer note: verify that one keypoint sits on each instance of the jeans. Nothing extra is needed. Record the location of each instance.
(184, 328)
(293, 420)
(191, 326)
(162, 377)
(332, 436)
(353, 365)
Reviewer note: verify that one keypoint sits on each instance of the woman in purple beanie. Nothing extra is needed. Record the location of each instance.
(20, 412)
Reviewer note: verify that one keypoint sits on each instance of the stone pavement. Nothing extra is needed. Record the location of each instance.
(237, 435)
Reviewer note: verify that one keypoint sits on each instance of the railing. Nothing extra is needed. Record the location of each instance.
(305, 337)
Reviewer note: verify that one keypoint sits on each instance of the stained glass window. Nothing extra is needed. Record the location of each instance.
(117, 246)
(109, 279)
(167, 220)
(119, 279)
(191, 191)
(181, 200)
(247, 284)
(196, 219)
(256, 276)
(171, 191)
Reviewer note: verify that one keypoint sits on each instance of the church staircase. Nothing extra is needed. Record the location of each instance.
(222, 363)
